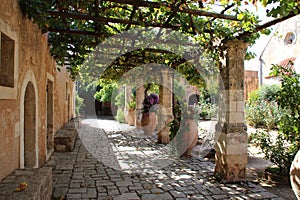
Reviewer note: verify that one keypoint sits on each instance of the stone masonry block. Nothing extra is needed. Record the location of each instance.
(236, 117)
(39, 184)
(64, 139)
(240, 106)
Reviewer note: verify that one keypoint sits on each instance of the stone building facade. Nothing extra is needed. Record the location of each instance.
(284, 45)
(35, 99)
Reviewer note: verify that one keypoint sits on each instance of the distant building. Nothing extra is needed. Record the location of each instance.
(283, 49)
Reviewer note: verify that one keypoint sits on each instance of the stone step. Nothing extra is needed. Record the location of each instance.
(64, 139)
(39, 184)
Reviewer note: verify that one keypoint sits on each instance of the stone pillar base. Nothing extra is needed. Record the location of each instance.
(232, 168)
(231, 153)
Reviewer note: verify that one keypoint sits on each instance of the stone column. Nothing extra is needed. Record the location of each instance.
(165, 114)
(140, 89)
(231, 147)
(128, 93)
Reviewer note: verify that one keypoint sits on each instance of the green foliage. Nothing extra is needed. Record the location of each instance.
(131, 104)
(289, 99)
(266, 92)
(105, 93)
(50, 16)
(120, 98)
(263, 113)
(282, 151)
(79, 104)
(262, 108)
(120, 117)
(179, 90)
(284, 8)
(279, 151)
(206, 108)
(152, 88)
(175, 124)
(179, 104)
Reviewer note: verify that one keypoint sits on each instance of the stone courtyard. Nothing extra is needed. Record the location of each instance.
(111, 161)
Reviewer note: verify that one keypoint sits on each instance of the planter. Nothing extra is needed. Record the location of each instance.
(130, 116)
(190, 137)
(295, 175)
(148, 122)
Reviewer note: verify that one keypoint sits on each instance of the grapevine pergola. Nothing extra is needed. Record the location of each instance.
(75, 27)
(223, 28)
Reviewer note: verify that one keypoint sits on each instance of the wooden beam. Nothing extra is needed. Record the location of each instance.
(265, 25)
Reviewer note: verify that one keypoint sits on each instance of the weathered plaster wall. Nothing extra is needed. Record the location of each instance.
(277, 50)
(32, 55)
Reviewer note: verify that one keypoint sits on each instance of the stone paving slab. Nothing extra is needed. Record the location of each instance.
(94, 171)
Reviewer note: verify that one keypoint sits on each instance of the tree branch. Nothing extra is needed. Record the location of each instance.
(265, 25)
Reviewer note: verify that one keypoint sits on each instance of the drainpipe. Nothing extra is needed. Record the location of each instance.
(261, 61)
(260, 73)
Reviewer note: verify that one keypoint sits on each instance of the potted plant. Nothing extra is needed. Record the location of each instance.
(130, 112)
(184, 129)
(190, 137)
(150, 106)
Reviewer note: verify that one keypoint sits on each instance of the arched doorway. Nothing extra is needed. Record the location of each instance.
(29, 122)
(49, 99)
(29, 127)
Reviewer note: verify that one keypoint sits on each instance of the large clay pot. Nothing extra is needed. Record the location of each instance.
(148, 122)
(295, 175)
(130, 116)
(190, 137)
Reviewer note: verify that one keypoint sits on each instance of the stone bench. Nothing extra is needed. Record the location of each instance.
(39, 184)
(64, 139)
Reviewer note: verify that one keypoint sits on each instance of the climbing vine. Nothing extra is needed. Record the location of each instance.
(76, 27)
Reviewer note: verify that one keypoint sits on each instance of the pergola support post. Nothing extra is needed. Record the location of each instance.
(231, 147)
(128, 94)
(165, 115)
(139, 104)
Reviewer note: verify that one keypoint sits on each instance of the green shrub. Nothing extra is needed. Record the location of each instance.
(131, 104)
(283, 149)
(263, 113)
(262, 108)
(79, 105)
(120, 98)
(266, 92)
(280, 152)
(120, 117)
(105, 93)
(179, 105)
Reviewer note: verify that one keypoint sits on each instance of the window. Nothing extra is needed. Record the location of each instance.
(7, 61)
(290, 38)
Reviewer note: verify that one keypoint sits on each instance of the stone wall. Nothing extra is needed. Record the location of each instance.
(34, 65)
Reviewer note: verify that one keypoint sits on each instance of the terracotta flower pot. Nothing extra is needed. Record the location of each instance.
(295, 175)
(190, 137)
(148, 122)
(130, 116)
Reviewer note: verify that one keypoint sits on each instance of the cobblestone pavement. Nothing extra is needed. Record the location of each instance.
(114, 161)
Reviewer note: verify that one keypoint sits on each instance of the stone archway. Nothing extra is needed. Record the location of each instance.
(29, 127)
(29, 122)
